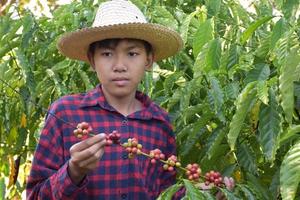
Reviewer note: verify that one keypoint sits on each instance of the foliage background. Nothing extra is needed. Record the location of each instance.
(233, 93)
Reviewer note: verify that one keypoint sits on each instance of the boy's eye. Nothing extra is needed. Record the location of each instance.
(133, 54)
(106, 54)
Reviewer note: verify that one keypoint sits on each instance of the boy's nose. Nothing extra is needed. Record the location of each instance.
(119, 65)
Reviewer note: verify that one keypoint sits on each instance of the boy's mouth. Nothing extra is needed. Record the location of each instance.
(120, 81)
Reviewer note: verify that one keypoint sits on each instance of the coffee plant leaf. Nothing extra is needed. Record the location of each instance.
(163, 16)
(26, 70)
(278, 31)
(260, 72)
(246, 158)
(169, 192)
(184, 28)
(290, 172)
(262, 92)
(213, 56)
(215, 94)
(204, 34)
(291, 132)
(228, 194)
(253, 27)
(269, 127)
(233, 56)
(247, 193)
(243, 104)
(286, 84)
(256, 185)
(192, 192)
(214, 141)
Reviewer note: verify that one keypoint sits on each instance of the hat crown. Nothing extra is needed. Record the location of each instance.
(118, 12)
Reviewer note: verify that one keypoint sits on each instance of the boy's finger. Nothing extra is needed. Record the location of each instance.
(88, 142)
(84, 154)
(91, 160)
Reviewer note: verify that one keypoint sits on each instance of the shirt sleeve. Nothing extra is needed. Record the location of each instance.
(49, 178)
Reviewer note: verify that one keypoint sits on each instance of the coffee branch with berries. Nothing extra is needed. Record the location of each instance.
(192, 171)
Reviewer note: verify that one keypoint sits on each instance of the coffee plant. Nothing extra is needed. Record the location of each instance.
(233, 93)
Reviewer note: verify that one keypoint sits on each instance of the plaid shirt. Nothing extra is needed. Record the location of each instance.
(116, 176)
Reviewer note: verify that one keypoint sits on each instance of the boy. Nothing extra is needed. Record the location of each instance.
(120, 47)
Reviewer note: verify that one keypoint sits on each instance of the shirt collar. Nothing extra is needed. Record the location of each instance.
(150, 110)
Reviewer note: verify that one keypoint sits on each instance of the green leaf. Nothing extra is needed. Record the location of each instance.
(192, 192)
(213, 55)
(164, 17)
(269, 127)
(233, 57)
(169, 192)
(2, 187)
(290, 8)
(260, 72)
(28, 29)
(278, 30)
(252, 28)
(200, 63)
(213, 7)
(232, 90)
(262, 92)
(247, 192)
(215, 94)
(289, 133)
(170, 81)
(243, 104)
(204, 34)
(21, 138)
(229, 195)
(86, 80)
(58, 83)
(246, 158)
(26, 70)
(290, 172)
(257, 185)
(184, 29)
(286, 84)
(213, 142)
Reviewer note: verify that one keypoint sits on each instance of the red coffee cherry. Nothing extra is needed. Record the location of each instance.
(213, 177)
(193, 172)
(155, 155)
(113, 138)
(83, 129)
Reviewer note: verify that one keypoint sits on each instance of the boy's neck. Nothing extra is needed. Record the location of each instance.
(125, 105)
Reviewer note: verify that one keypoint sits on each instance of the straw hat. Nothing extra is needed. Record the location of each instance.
(120, 19)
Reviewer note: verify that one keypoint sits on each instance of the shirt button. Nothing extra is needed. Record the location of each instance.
(125, 122)
(124, 196)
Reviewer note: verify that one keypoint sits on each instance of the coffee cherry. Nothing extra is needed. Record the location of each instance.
(213, 177)
(193, 171)
(113, 138)
(155, 155)
(171, 162)
(132, 147)
(82, 129)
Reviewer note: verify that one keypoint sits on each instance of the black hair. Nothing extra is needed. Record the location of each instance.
(111, 43)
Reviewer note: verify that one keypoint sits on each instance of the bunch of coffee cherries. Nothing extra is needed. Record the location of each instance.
(132, 146)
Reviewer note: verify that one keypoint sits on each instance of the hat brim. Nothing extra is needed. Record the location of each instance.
(165, 42)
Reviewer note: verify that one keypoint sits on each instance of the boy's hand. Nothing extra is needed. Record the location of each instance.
(85, 156)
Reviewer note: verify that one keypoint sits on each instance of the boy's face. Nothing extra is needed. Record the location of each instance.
(121, 67)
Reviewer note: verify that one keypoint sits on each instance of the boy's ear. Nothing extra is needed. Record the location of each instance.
(149, 62)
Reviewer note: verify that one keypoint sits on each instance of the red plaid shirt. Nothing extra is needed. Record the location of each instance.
(116, 176)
